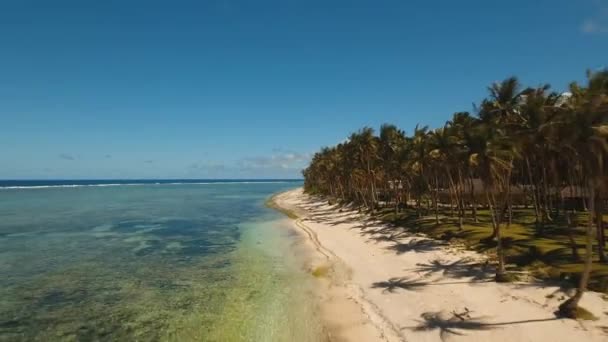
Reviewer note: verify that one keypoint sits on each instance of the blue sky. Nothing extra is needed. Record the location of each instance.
(249, 89)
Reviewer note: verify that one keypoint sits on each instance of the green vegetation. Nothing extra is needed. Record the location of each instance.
(549, 257)
(524, 178)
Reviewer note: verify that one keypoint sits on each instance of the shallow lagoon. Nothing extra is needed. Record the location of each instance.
(151, 262)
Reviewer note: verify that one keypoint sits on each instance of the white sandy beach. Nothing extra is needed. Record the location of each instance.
(385, 285)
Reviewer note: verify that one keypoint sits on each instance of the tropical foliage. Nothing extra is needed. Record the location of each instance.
(521, 147)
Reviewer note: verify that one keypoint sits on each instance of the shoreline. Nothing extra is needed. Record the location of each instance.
(345, 314)
(380, 287)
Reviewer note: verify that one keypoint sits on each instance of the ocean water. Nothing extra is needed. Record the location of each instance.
(192, 261)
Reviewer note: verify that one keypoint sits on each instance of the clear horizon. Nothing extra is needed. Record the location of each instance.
(144, 179)
(233, 89)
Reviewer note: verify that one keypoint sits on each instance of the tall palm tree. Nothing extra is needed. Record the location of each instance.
(492, 157)
(588, 123)
(538, 146)
(444, 153)
(464, 125)
(365, 148)
(392, 144)
(419, 165)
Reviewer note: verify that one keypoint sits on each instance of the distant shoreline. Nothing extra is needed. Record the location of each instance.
(74, 183)
(345, 313)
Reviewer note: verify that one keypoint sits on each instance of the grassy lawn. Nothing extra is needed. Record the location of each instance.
(547, 256)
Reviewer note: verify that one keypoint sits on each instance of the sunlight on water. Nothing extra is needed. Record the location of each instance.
(170, 262)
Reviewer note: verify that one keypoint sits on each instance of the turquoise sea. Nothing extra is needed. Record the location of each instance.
(173, 261)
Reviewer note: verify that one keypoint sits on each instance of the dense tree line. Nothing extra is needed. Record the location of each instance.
(522, 146)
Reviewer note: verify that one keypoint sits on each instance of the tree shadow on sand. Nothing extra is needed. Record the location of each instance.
(462, 268)
(404, 283)
(416, 245)
(399, 283)
(456, 323)
(563, 289)
(385, 234)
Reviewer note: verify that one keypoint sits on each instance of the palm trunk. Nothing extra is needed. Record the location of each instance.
(460, 192)
(510, 205)
(473, 201)
(501, 271)
(396, 196)
(601, 241)
(491, 209)
(534, 193)
(569, 307)
(372, 184)
(547, 205)
(436, 199)
(573, 245)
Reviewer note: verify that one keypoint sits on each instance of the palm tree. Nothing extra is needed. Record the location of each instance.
(365, 151)
(588, 123)
(492, 157)
(444, 155)
(392, 144)
(538, 146)
(502, 107)
(531, 139)
(419, 164)
(463, 124)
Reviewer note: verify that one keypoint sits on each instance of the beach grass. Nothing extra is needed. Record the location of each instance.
(553, 253)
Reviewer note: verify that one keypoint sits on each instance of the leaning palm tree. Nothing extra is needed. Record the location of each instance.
(492, 158)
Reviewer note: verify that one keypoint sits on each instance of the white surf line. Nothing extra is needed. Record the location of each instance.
(69, 186)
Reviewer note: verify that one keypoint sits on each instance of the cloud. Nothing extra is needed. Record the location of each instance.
(204, 169)
(281, 163)
(592, 26)
(285, 160)
(148, 161)
(66, 156)
(108, 156)
(598, 23)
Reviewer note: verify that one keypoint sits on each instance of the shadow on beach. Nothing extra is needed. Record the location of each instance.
(457, 323)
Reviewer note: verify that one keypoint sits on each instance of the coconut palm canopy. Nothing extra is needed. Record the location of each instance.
(521, 146)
